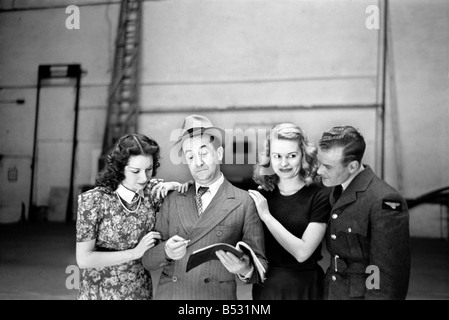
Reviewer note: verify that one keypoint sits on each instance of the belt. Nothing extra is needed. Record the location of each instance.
(341, 266)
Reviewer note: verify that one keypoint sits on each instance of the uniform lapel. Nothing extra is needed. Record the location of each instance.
(222, 204)
(359, 184)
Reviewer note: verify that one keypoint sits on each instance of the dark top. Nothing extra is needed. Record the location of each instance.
(295, 212)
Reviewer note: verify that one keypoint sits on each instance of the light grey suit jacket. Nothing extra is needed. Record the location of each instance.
(230, 217)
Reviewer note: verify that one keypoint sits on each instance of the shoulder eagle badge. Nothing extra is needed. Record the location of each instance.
(391, 205)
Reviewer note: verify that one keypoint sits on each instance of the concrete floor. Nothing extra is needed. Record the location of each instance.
(34, 259)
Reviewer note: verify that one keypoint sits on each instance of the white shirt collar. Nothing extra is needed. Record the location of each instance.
(213, 188)
(347, 182)
(127, 194)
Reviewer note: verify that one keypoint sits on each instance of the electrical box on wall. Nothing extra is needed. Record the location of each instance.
(12, 174)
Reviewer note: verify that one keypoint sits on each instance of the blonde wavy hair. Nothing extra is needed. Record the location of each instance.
(264, 175)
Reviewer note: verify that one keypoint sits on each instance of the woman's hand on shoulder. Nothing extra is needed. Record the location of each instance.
(161, 189)
(185, 186)
(261, 204)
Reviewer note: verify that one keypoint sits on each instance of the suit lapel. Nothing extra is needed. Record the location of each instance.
(222, 204)
(187, 209)
(359, 184)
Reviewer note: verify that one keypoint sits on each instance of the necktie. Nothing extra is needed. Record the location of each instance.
(338, 190)
(135, 198)
(199, 202)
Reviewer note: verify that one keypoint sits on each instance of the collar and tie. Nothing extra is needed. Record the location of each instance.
(135, 198)
(130, 196)
(199, 202)
(338, 190)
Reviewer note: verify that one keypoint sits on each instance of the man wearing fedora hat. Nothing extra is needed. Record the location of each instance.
(212, 211)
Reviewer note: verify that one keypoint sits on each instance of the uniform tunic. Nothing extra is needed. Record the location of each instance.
(102, 217)
(368, 239)
(288, 279)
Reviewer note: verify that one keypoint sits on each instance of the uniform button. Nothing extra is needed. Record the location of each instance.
(219, 233)
(333, 236)
(174, 279)
(177, 229)
(207, 280)
(334, 216)
(349, 230)
(334, 278)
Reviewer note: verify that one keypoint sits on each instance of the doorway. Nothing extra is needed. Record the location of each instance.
(55, 139)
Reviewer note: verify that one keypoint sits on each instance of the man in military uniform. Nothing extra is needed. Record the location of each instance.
(368, 232)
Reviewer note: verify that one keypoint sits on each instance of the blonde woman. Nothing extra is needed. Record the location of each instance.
(294, 213)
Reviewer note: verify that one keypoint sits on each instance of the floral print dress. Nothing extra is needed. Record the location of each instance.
(102, 217)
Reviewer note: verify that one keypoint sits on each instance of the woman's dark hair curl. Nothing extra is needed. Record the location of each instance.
(127, 146)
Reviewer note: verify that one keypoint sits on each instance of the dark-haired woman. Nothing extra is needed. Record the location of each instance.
(116, 219)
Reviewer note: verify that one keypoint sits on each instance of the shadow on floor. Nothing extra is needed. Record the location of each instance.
(34, 259)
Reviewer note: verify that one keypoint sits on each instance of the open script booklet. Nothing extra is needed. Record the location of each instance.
(208, 253)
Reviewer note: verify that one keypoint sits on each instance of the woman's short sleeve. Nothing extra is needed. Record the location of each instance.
(321, 207)
(88, 216)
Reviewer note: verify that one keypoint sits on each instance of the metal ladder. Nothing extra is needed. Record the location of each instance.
(123, 98)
